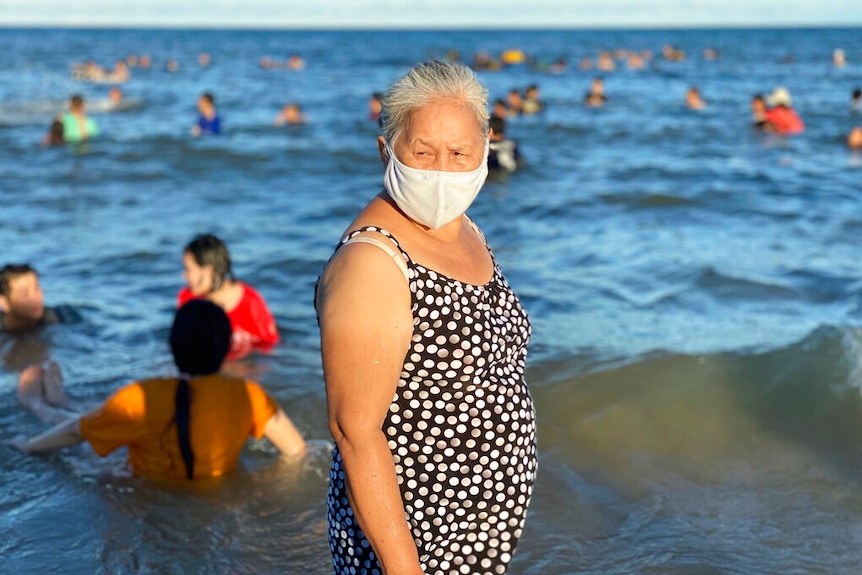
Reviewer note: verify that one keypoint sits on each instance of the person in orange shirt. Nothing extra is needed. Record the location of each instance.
(186, 427)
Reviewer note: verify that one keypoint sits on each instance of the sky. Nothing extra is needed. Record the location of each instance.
(448, 14)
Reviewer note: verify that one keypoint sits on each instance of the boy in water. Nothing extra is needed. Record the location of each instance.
(22, 302)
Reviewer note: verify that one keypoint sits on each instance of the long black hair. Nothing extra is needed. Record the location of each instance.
(200, 340)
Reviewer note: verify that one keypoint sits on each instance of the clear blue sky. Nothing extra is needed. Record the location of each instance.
(430, 13)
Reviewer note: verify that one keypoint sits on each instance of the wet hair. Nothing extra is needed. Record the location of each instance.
(76, 101)
(56, 136)
(208, 97)
(208, 250)
(857, 93)
(9, 273)
(425, 83)
(200, 340)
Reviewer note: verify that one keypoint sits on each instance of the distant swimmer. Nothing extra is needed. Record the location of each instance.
(856, 100)
(77, 126)
(781, 115)
(758, 113)
(532, 104)
(208, 122)
(693, 99)
(839, 58)
(854, 140)
(636, 61)
(672, 54)
(54, 137)
(605, 62)
(115, 102)
(184, 427)
(500, 109)
(291, 115)
(503, 153)
(295, 63)
(375, 106)
(596, 98)
(515, 102)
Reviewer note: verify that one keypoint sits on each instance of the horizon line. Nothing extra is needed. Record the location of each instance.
(262, 27)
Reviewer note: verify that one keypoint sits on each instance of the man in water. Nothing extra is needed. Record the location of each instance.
(77, 126)
(208, 121)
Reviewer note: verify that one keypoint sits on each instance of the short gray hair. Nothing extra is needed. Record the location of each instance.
(426, 82)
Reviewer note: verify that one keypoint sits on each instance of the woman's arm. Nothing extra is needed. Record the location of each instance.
(63, 434)
(283, 434)
(366, 326)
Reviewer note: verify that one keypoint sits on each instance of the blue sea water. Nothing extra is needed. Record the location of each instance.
(695, 289)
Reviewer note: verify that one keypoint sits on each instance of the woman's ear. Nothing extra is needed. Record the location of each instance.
(381, 147)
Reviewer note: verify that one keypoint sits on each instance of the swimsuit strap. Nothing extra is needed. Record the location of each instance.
(400, 257)
(477, 230)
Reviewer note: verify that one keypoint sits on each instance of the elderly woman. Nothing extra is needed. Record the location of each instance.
(424, 345)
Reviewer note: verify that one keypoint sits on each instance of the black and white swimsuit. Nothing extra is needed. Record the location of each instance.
(461, 428)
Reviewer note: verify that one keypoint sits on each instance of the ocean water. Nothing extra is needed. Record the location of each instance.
(695, 289)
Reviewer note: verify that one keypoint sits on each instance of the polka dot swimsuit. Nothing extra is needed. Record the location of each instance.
(461, 428)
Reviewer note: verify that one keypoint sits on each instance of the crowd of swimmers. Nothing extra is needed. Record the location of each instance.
(773, 113)
(210, 413)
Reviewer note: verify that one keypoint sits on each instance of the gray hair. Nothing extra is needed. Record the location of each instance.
(426, 82)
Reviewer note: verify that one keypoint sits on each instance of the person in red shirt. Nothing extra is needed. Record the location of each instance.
(781, 117)
(208, 275)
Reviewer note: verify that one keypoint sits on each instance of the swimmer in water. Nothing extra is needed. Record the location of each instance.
(190, 426)
(209, 276)
(54, 137)
(596, 98)
(291, 115)
(77, 126)
(208, 119)
(22, 301)
(693, 99)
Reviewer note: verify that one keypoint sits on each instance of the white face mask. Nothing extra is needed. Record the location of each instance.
(429, 197)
